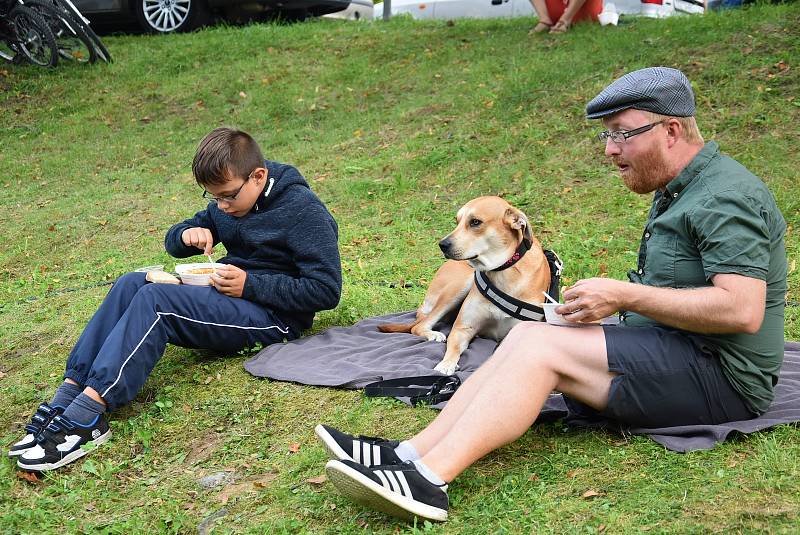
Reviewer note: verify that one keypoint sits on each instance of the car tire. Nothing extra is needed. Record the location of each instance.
(169, 16)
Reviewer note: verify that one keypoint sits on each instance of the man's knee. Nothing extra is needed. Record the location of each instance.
(554, 348)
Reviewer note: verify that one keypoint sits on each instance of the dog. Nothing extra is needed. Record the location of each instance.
(489, 236)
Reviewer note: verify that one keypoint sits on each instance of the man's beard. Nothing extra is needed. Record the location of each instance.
(649, 173)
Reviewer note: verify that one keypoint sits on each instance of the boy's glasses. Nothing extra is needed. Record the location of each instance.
(621, 136)
(229, 198)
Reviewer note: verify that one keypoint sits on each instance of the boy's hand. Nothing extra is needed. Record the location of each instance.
(229, 280)
(199, 237)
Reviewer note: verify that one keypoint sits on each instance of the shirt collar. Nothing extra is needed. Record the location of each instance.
(695, 167)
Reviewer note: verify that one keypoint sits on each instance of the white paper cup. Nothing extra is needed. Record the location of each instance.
(196, 279)
(552, 318)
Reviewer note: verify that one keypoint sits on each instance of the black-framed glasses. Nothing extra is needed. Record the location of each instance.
(228, 198)
(621, 136)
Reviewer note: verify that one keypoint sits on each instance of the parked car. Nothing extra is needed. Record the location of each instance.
(357, 10)
(455, 9)
(166, 16)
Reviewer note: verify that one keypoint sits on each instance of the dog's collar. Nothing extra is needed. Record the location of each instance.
(523, 248)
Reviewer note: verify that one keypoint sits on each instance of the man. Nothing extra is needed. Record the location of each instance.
(701, 333)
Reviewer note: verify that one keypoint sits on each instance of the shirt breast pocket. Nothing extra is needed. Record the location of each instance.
(659, 269)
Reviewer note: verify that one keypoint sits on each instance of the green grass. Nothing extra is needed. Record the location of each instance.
(395, 125)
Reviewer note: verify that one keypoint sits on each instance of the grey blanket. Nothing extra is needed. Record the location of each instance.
(352, 357)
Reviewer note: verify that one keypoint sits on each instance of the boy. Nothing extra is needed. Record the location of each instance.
(282, 266)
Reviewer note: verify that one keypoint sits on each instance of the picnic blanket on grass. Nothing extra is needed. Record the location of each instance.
(352, 357)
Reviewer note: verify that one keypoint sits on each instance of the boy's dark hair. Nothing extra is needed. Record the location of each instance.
(224, 153)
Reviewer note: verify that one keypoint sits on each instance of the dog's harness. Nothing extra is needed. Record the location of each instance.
(511, 305)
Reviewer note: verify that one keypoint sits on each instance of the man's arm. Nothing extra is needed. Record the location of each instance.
(734, 304)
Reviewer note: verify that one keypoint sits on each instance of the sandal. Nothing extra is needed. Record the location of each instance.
(541, 27)
(560, 27)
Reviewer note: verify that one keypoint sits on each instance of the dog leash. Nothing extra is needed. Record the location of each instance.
(427, 389)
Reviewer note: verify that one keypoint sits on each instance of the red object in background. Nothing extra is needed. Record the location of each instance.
(588, 11)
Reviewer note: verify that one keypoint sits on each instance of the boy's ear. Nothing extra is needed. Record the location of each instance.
(260, 174)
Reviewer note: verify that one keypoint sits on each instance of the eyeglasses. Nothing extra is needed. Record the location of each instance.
(229, 198)
(621, 136)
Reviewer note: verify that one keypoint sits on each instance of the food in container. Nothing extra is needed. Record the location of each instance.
(197, 274)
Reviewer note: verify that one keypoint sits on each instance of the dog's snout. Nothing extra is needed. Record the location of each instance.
(445, 245)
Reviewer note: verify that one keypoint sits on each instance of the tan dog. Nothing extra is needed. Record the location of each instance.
(487, 234)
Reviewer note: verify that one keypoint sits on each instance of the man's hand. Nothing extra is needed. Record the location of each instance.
(199, 237)
(592, 299)
(229, 280)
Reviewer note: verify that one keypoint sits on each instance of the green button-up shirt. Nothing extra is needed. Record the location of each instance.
(717, 217)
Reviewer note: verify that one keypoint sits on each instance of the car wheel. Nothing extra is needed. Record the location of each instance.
(168, 16)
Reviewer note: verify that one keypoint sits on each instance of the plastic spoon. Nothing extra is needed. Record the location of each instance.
(547, 295)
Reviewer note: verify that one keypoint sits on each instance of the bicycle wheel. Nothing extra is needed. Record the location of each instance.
(34, 38)
(99, 47)
(72, 42)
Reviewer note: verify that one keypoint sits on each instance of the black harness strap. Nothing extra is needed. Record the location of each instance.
(428, 389)
(517, 308)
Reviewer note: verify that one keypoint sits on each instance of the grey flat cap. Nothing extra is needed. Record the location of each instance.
(657, 89)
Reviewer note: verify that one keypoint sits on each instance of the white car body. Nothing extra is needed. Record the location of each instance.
(357, 10)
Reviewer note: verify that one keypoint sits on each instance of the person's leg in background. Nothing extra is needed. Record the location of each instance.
(565, 21)
(545, 22)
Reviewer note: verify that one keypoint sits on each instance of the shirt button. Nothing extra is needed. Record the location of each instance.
(646, 235)
(641, 272)
(674, 195)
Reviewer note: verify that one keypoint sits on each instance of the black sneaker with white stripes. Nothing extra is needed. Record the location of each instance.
(43, 415)
(368, 451)
(396, 489)
(61, 442)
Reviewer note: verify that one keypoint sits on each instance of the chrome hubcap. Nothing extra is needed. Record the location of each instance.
(166, 15)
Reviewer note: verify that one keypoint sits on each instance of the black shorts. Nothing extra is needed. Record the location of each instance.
(666, 378)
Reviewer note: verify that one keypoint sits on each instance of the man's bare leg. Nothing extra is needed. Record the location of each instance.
(506, 396)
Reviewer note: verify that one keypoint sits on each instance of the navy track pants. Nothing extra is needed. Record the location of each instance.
(130, 330)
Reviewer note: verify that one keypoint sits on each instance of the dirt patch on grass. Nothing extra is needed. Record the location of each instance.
(202, 448)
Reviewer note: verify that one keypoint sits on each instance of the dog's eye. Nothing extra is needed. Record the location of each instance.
(475, 222)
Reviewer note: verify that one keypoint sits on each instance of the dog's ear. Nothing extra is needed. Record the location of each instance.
(517, 220)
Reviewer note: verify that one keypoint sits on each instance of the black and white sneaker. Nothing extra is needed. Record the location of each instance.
(396, 489)
(60, 443)
(368, 451)
(43, 415)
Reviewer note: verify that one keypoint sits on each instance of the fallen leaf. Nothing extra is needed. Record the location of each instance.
(242, 94)
(319, 480)
(294, 447)
(28, 476)
(566, 190)
(3, 374)
(591, 494)
(533, 477)
(601, 528)
(572, 473)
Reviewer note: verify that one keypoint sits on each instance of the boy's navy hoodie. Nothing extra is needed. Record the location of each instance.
(287, 244)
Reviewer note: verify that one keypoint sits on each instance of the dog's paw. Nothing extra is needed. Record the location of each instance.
(447, 368)
(436, 336)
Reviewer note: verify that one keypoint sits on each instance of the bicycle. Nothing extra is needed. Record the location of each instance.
(23, 32)
(73, 43)
(66, 6)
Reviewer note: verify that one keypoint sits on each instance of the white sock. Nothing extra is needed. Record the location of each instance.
(428, 474)
(406, 451)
